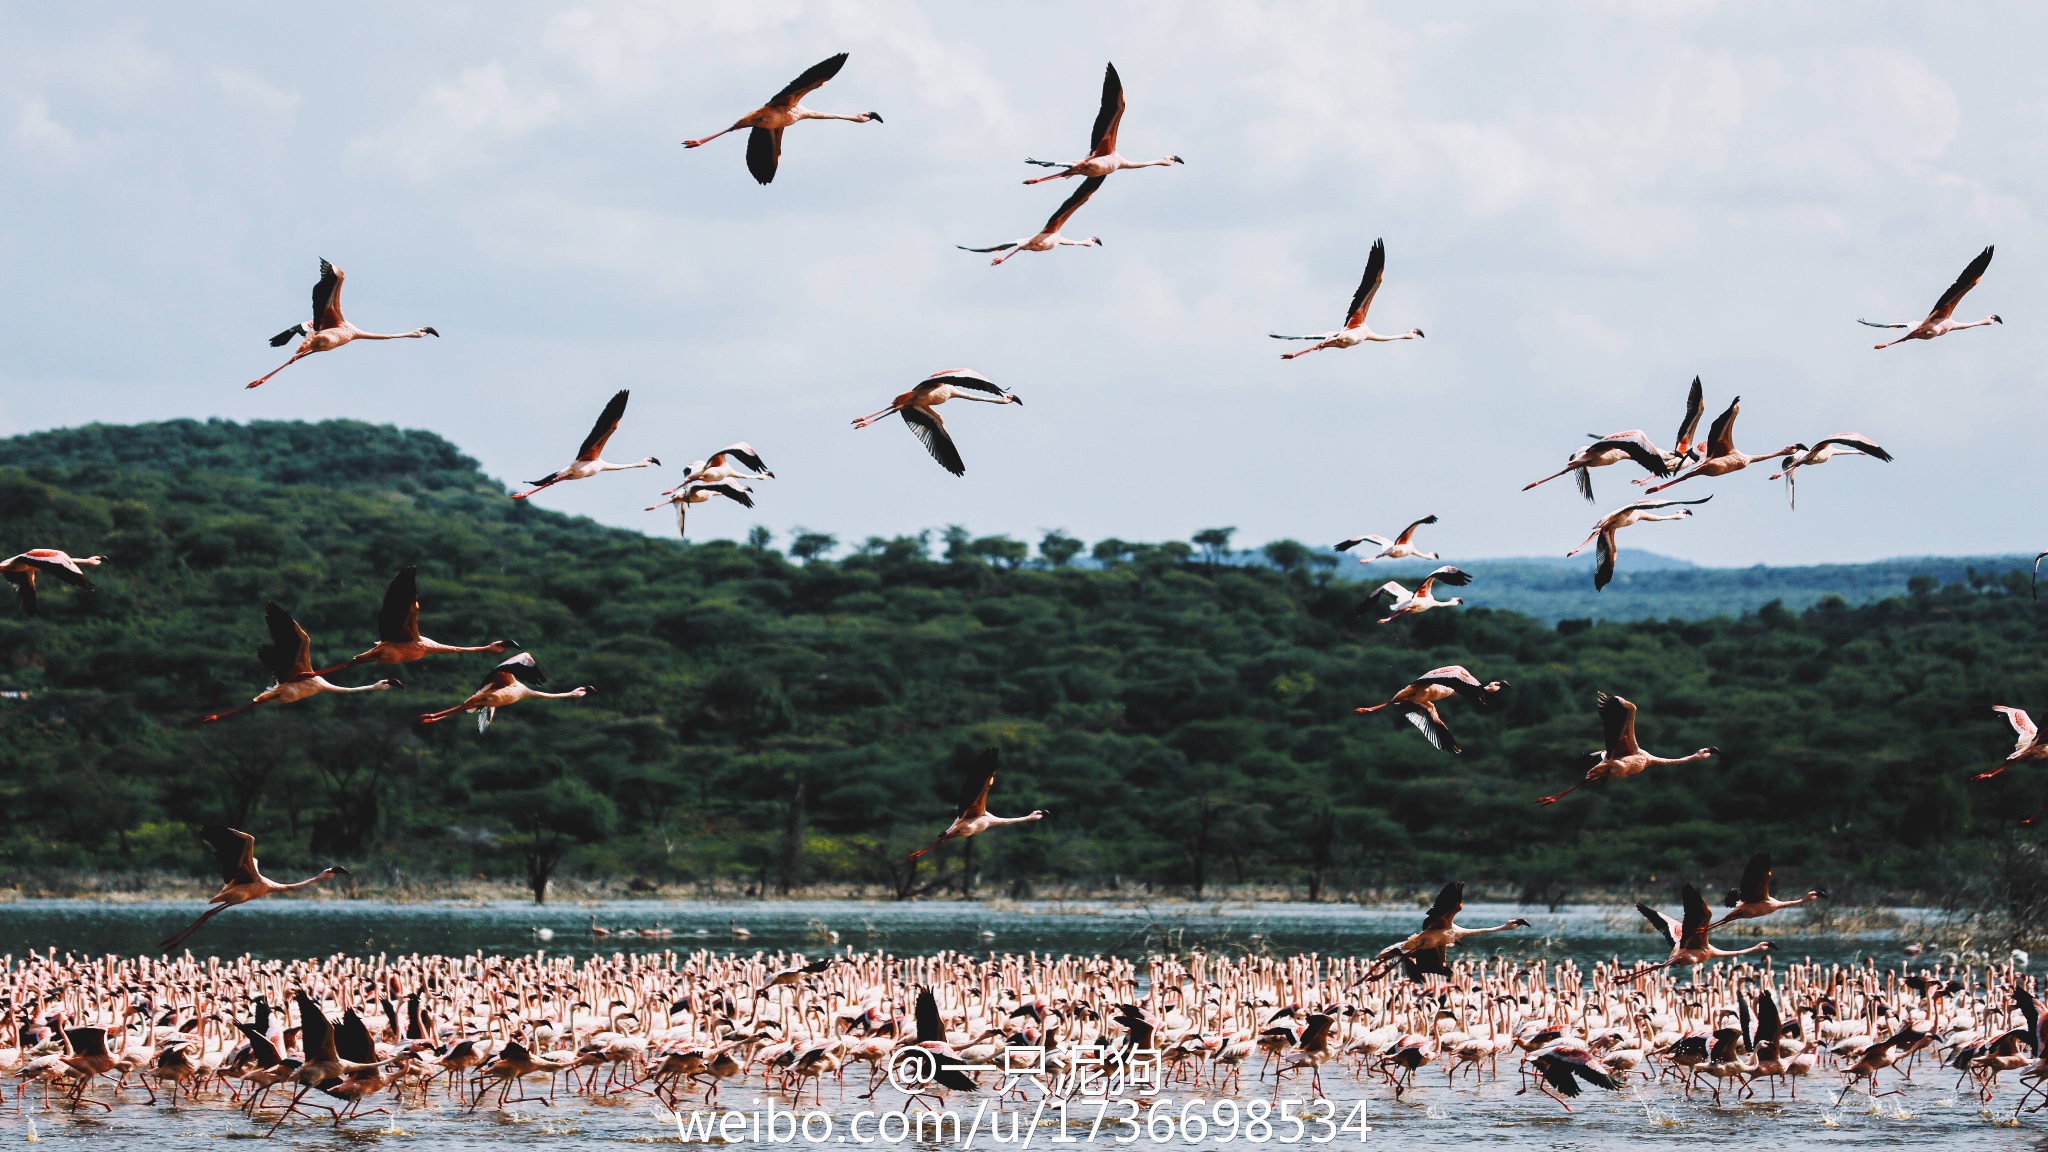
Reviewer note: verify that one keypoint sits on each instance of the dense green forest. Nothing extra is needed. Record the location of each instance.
(785, 716)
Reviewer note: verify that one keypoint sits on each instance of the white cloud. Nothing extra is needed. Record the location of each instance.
(41, 135)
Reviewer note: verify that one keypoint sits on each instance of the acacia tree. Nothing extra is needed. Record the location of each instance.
(544, 822)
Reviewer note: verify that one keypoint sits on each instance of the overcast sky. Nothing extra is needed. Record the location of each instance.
(1583, 205)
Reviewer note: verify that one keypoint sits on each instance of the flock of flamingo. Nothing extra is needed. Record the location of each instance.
(665, 1024)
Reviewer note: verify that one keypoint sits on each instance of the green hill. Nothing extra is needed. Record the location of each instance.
(1187, 721)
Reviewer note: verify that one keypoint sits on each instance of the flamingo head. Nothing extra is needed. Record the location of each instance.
(1817, 894)
(1095, 241)
(875, 116)
(1417, 333)
(503, 645)
(1518, 922)
(1177, 160)
(1997, 319)
(1455, 600)
(334, 870)
(388, 683)
(431, 332)
(1013, 398)
(1710, 750)
(89, 561)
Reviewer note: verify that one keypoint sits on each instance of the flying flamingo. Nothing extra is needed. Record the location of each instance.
(1417, 701)
(1634, 445)
(502, 688)
(918, 405)
(974, 819)
(1722, 458)
(1048, 237)
(764, 140)
(2027, 748)
(720, 467)
(398, 629)
(1354, 331)
(1406, 603)
(1400, 548)
(693, 493)
(328, 330)
(241, 879)
(1939, 322)
(1103, 158)
(1688, 940)
(1826, 450)
(1753, 900)
(1622, 757)
(1423, 954)
(590, 458)
(21, 570)
(1621, 518)
(289, 658)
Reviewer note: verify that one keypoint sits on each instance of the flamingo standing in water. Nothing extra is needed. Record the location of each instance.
(1940, 321)
(1824, 451)
(241, 879)
(590, 458)
(1103, 158)
(765, 124)
(1621, 518)
(1417, 701)
(693, 493)
(1721, 457)
(21, 571)
(289, 657)
(1423, 954)
(1399, 548)
(1634, 445)
(398, 629)
(329, 330)
(1406, 603)
(1688, 939)
(1753, 900)
(918, 405)
(974, 819)
(502, 688)
(1354, 331)
(1622, 757)
(1048, 238)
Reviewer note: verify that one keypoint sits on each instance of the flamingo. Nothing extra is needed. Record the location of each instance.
(720, 467)
(1622, 757)
(691, 493)
(1634, 445)
(234, 851)
(328, 330)
(502, 688)
(21, 570)
(289, 658)
(1354, 331)
(398, 629)
(1615, 521)
(765, 124)
(1423, 953)
(1399, 548)
(1048, 238)
(974, 818)
(1753, 900)
(2027, 748)
(1418, 700)
(918, 408)
(1103, 158)
(1721, 457)
(1406, 603)
(1562, 1066)
(590, 458)
(1688, 940)
(1826, 450)
(1939, 321)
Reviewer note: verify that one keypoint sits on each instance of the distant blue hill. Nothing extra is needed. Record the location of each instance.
(1649, 586)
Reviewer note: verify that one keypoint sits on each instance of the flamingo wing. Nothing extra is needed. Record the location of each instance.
(813, 78)
(1663, 923)
(1618, 723)
(352, 1039)
(1603, 555)
(1856, 442)
(289, 655)
(520, 667)
(25, 588)
(1408, 533)
(745, 454)
(1058, 219)
(1102, 137)
(398, 618)
(607, 423)
(1390, 588)
(931, 1027)
(1721, 436)
(764, 153)
(1452, 676)
(931, 432)
(1697, 917)
(2022, 725)
(1369, 286)
(979, 805)
(1946, 306)
(966, 378)
(327, 298)
(738, 493)
(1637, 447)
(1756, 879)
(1432, 727)
(1455, 577)
(234, 852)
(1449, 902)
(1355, 541)
(995, 248)
(2036, 585)
(316, 1034)
(1695, 406)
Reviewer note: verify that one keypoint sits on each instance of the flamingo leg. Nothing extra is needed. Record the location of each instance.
(296, 357)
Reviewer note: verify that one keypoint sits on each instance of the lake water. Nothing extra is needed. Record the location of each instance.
(1928, 1114)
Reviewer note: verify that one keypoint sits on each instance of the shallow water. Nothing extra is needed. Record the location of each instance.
(1927, 1114)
